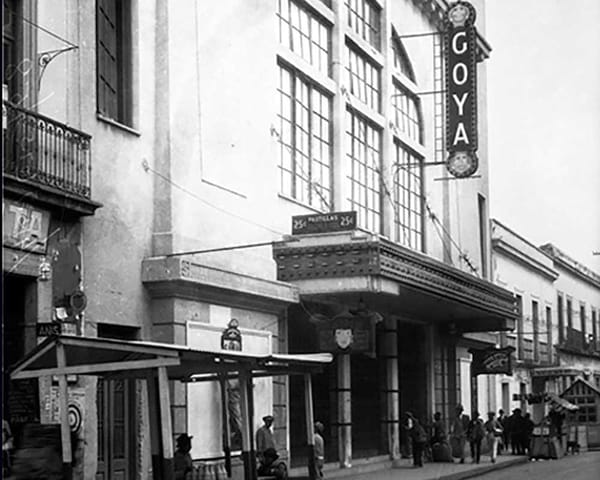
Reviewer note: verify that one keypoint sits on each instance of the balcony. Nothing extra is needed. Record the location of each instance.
(577, 342)
(47, 161)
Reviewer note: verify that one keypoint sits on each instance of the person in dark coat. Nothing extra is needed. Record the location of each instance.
(419, 440)
(272, 466)
(528, 427)
(516, 432)
(504, 443)
(475, 434)
(458, 433)
(182, 459)
(440, 448)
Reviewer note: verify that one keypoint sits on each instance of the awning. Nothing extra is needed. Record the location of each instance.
(560, 404)
(133, 359)
(338, 267)
(156, 363)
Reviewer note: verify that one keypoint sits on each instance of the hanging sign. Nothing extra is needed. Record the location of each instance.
(323, 223)
(345, 335)
(491, 361)
(25, 227)
(461, 88)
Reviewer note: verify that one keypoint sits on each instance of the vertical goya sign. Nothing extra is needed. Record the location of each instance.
(461, 88)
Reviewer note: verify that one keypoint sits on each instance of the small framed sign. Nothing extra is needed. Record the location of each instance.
(323, 223)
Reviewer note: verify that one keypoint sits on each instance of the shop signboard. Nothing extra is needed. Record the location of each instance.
(491, 361)
(25, 227)
(461, 90)
(323, 223)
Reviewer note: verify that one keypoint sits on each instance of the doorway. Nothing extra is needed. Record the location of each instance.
(116, 406)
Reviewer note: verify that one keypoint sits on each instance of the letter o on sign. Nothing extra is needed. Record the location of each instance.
(460, 74)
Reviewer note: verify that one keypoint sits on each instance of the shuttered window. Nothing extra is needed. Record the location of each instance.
(113, 35)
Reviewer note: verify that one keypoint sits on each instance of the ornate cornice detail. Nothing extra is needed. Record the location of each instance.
(391, 261)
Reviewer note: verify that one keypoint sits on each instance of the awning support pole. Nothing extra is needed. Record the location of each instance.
(248, 458)
(393, 400)
(65, 430)
(310, 431)
(165, 422)
(344, 410)
(155, 428)
(224, 384)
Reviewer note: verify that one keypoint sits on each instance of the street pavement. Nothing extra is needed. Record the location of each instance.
(585, 466)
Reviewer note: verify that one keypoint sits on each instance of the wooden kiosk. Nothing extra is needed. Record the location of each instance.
(157, 363)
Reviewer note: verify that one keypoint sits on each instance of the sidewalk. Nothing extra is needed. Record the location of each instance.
(430, 471)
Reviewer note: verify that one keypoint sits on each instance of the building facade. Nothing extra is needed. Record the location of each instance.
(557, 332)
(169, 145)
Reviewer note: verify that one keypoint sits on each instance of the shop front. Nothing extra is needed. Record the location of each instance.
(394, 320)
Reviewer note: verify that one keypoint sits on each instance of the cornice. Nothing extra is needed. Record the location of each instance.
(385, 259)
(179, 277)
(501, 245)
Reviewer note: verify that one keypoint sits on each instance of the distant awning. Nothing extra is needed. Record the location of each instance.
(560, 404)
(135, 359)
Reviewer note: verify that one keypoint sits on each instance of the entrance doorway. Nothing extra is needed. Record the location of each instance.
(116, 404)
(20, 399)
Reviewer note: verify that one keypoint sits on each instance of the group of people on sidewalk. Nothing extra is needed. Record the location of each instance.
(498, 433)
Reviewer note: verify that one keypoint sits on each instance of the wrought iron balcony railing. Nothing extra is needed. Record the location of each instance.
(42, 150)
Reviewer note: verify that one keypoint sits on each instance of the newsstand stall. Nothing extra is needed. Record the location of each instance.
(546, 440)
(157, 363)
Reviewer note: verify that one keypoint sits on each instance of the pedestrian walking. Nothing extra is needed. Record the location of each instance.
(493, 431)
(440, 449)
(458, 433)
(319, 449)
(475, 434)
(264, 437)
(504, 440)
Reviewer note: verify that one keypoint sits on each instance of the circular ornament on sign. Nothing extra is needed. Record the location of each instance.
(462, 164)
(461, 14)
(78, 302)
(75, 417)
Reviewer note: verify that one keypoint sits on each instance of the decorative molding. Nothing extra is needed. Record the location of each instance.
(180, 277)
(563, 260)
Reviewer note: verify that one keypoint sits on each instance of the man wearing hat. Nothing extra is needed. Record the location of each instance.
(182, 459)
(272, 466)
(264, 437)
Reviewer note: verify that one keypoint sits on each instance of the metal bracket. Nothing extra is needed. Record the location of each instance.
(44, 59)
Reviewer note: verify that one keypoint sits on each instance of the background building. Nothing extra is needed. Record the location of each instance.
(558, 328)
(199, 126)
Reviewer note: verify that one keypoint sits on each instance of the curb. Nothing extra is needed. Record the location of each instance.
(475, 472)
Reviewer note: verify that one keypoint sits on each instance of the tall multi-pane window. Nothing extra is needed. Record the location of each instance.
(364, 18)
(582, 318)
(549, 333)
(113, 54)
(12, 68)
(304, 33)
(363, 154)
(401, 61)
(362, 78)
(406, 113)
(569, 313)
(595, 330)
(408, 198)
(305, 141)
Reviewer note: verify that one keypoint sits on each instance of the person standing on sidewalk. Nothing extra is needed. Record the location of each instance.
(493, 432)
(264, 437)
(458, 433)
(503, 419)
(419, 439)
(476, 433)
(319, 449)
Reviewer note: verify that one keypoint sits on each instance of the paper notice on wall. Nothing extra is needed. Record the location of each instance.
(76, 407)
